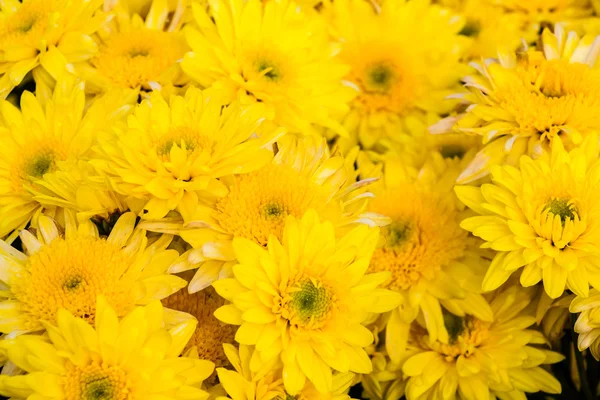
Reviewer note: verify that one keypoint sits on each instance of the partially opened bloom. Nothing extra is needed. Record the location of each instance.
(433, 263)
(588, 322)
(303, 175)
(137, 52)
(69, 271)
(402, 82)
(501, 358)
(541, 218)
(255, 379)
(271, 53)
(302, 300)
(41, 35)
(134, 358)
(171, 152)
(41, 135)
(524, 102)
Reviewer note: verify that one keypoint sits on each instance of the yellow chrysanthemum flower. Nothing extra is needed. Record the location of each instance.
(272, 53)
(588, 322)
(172, 152)
(207, 341)
(136, 52)
(303, 175)
(541, 217)
(482, 360)
(303, 300)
(37, 138)
(432, 261)
(546, 11)
(402, 82)
(135, 358)
(492, 26)
(526, 101)
(70, 271)
(255, 379)
(38, 34)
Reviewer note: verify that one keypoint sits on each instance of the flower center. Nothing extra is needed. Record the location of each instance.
(465, 334)
(384, 84)
(562, 207)
(133, 59)
(307, 304)
(96, 382)
(185, 138)
(35, 161)
(258, 203)
(27, 25)
(271, 71)
(452, 151)
(379, 78)
(422, 238)
(71, 274)
(210, 333)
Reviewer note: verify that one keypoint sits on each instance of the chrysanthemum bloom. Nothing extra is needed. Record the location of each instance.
(207, 341)
(136, 52)
(80, 187)
(272, 53)
(70, 271)
(303, 300)
(482, 360)
(588, 322)
(303, 175)
(39, 136)
(541, 217)
(491, 26)
(255, 379)
(402, 82)
(525, 102)
(41, 35)
(171, 152)
(432, 261)
(135, 358)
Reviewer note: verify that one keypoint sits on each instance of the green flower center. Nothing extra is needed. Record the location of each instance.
(268, 70)
(398, 233)
(380, 78)
(452, 151)
(99, 389)
(564, 208)
(273, 210)
(40, 165)
(310, 302)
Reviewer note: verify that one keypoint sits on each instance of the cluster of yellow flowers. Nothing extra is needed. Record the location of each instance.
(299, 199)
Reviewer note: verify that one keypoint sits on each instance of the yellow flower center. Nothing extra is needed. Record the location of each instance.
(547, 96)
(96, 382)
(258, 203)
(71, 274)
(210, 333)
(384, 84)
(423, 237)
(465, 334)
(35, 161)
(133, 59)
(28, 24)
(185, 138)
(307, 303)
